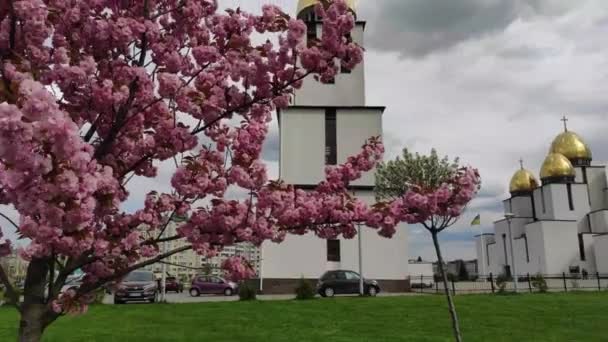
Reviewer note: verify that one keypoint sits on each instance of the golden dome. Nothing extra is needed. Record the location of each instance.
(304, 4)
(523, 181)
(571, 145)
(556, 165)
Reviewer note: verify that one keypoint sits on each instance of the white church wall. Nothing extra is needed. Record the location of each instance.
(596, 178)
(519, 251)
(297, 256)
(557, 202)
(306, 256)
(598, 221)
(484, 257)
(302, 155)
(600, 243)
(354, 127)
(589, 264)
(543, 203)
(383, 258)
(348, 90)
(521, 206)
(560, 245)
(495, 251)
(536, 246)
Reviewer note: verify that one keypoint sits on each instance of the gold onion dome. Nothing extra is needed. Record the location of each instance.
(556, 166)
(571, 146)
(305, 4)
(523, 181)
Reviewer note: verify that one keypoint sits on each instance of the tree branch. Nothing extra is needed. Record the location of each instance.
(9, 220)
(106, 144)
(91, 287)
(10, 290)
(144, 39)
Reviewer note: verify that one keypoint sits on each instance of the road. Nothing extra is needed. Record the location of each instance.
(186, 298)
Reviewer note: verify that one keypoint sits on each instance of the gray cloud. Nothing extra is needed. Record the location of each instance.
(417, 28)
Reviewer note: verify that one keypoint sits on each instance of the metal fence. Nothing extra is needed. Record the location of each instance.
(526, 283)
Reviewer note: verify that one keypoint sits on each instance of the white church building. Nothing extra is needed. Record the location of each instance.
(325, 125)
(557, 226)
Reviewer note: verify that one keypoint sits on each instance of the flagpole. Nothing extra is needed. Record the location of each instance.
(483, 257)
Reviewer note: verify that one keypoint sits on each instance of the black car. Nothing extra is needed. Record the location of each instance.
(345, 282)
(137, 286)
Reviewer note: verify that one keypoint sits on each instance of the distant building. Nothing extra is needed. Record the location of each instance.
(186, 265)
(455, 268)
(14, 266)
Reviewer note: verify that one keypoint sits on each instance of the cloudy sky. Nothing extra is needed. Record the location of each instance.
(485, 80)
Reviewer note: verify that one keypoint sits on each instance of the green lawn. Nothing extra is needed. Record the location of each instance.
(541, 317)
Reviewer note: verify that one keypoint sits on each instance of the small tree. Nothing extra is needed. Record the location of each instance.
(432, 192)
(539, 283)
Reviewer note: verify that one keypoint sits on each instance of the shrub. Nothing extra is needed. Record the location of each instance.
(304, 290)
(99, 294)
(247, 291)
(501, 282)
(539, 283)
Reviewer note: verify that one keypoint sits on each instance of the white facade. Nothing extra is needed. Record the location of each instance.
(326, 120)
(558, 227)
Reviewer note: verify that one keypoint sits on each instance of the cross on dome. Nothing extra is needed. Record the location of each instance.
(565, 120)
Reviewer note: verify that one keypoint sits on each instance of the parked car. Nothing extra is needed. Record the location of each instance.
(137, 286)
(212, 285)
(345, 282)
(72, 283)
(174, 285)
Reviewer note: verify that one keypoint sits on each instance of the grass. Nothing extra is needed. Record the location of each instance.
(541, 317)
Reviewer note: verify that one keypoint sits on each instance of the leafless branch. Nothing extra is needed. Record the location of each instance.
(9, 220)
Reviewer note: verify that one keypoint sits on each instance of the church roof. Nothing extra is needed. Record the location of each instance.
(522, 181)
(556, 165)
(571, 146)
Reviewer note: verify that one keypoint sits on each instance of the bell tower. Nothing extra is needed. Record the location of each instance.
(327, 123)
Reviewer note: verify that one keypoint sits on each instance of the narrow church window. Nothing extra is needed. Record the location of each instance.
(504, 246)
(331, 153)
(542, 199)
(570, 200)
(311, 31)
(333, 250)
(527, 251)
(581, 247)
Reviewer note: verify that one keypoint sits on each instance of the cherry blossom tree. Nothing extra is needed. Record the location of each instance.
(96, 93)
(432, 192)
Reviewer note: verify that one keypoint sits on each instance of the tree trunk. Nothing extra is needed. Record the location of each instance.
(452, 307)
(35, 312)
(32, 323)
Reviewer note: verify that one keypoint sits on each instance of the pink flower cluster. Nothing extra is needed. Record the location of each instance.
(237, 268)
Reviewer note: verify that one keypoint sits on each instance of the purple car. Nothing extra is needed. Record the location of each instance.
(212, 285)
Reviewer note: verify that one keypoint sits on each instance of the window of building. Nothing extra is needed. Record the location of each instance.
(333, 250)
(570, 199)
(331, 140)
(527, 251)
(504, 246)
(542, 199)
(581, 247)
(311, 33)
